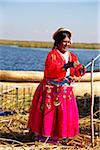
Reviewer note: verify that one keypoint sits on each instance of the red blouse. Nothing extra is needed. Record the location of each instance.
(54, 65)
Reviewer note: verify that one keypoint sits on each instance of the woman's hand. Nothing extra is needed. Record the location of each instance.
(80, 70)
(73, 64)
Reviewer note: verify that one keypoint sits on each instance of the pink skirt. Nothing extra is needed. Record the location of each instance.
(54, 111)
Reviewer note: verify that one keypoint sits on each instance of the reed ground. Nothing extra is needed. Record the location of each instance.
(14, 133)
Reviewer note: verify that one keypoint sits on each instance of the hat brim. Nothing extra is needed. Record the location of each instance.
(62, 30)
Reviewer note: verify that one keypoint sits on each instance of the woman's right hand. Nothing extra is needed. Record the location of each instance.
(75, 64)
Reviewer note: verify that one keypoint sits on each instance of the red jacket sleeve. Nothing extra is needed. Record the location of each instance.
(75, 71)
(72, 58)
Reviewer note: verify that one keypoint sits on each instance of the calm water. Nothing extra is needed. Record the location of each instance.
(28, 59)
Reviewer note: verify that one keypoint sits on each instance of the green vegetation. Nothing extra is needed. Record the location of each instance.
(86, 45)
(39, 44)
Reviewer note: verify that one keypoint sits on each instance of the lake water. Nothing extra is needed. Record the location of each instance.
(29, 59)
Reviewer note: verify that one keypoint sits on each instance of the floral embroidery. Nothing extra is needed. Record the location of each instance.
(64, 96)
(48, 105)
(56, 103)
(53, 56)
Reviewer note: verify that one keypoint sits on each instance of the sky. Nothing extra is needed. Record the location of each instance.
(37, 20)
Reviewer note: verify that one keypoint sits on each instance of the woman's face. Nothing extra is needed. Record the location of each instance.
(64, 45)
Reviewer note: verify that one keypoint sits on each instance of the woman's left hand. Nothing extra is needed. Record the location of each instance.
(80, 70)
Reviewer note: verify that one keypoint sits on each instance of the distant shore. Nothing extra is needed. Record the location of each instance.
(40, 44)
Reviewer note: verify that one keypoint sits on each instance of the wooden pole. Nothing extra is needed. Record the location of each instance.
(92, 97)
(90, 63)
(92, 103)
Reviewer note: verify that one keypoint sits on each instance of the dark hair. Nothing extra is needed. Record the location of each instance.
(59, 38)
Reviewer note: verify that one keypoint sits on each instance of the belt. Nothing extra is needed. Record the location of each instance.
(65, 81)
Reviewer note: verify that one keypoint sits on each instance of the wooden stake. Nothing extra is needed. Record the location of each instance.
(92, 103)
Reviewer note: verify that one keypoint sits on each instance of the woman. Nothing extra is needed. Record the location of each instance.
(54, 110)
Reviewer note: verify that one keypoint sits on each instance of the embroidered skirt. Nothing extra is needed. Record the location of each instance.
(54, 111)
